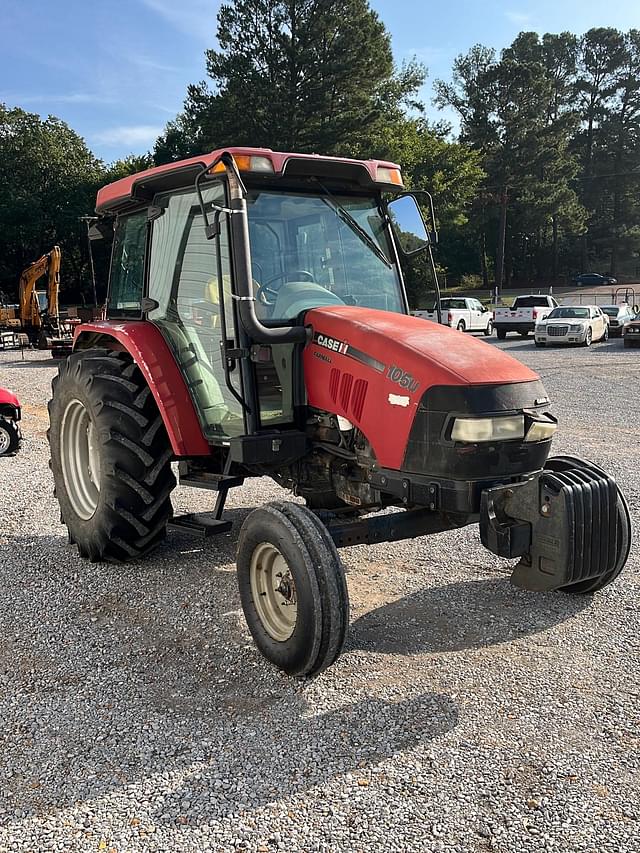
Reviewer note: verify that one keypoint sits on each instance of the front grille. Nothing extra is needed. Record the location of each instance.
(557, 331)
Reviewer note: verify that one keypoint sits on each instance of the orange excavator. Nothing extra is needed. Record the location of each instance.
(39, 309)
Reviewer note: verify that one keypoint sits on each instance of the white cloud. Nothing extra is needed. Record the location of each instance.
(147, 62)
(67, 98)
(522, 19)
(134, 135)
(196, 18)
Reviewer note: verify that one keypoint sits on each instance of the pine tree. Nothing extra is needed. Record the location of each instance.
(300, 75)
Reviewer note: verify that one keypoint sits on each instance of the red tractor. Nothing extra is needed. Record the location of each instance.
(10, 414)
(258, 325)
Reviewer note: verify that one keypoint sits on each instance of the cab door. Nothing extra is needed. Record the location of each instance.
(477, 317)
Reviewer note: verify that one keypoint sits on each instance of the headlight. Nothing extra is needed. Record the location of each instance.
(541, 327)
(542, 430)
(576, 327)
(499, 428)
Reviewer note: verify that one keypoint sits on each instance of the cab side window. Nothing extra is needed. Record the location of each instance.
(126, 280)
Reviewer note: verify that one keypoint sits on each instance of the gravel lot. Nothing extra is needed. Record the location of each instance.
(464, 715)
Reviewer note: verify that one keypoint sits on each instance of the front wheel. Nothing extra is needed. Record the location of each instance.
(10, 437)
(489, 329)
(524, 334)
(605, 336)
(539, 343)
(110, 456)
(588, 338)
(292, 588)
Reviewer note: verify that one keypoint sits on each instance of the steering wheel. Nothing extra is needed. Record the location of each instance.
(268, 294)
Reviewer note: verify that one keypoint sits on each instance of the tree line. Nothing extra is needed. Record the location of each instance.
(539, 182)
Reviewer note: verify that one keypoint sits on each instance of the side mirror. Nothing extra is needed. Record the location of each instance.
(100, 230)
(408, 225)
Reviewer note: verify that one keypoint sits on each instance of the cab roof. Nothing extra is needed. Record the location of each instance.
(142, 186)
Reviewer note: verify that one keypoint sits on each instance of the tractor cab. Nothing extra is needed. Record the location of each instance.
(311, 242)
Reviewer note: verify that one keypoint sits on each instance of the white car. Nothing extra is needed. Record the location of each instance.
(573, 324)
(463, 314)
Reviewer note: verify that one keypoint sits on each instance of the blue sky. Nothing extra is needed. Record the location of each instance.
(117, 71)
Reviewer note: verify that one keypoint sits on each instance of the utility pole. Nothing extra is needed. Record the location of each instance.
(502, 233)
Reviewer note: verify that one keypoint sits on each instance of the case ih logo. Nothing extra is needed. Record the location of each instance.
(344, 348)
(330, 343)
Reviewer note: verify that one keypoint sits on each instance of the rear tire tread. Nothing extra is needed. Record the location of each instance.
(135, 505)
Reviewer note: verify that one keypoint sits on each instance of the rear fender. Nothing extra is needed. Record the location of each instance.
(147, 347)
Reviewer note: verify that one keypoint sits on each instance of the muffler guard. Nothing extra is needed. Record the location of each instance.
(568, 524)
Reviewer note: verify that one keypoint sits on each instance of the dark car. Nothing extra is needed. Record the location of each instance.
(593, 279)
(618, 315)
(631, 332)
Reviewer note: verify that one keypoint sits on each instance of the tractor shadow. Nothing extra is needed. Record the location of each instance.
(117, 675)
(461, 615)
(32, 362)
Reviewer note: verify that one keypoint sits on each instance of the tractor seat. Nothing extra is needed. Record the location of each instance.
(294, 297)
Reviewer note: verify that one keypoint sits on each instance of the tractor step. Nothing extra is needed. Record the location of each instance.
(206, 480)
(200, 524)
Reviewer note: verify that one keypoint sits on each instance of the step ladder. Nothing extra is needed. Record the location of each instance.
(210, 523)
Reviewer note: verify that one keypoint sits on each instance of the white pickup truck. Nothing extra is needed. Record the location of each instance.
(463, 314)
(523, 315)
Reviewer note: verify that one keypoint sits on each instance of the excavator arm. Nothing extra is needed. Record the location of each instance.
(49, 265)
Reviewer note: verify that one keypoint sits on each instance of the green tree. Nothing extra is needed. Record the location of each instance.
(601, 58)
(609, 146)
(302, 75)
(48, 178)
(513, 111)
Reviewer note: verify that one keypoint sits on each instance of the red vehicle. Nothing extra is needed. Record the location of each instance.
(258, 325)
(10, 414)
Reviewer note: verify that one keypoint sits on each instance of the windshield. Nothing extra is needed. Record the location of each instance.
(529, 302)
(311, 250)
(569, 313)
(611, 310)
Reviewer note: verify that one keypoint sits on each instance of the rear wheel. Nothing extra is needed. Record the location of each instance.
(565, 463)
(292, 587)
(9, 437)
(489, 329)
(461, 326)
(501, 334)
(110, 456)
(524, 334)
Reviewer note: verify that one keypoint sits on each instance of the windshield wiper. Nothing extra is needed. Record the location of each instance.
(355, 226)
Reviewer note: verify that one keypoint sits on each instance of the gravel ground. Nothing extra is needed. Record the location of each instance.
(464, 715)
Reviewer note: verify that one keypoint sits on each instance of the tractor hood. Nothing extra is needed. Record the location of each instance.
(374, 368)
(430, 352)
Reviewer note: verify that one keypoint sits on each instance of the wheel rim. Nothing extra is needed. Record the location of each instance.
(588, 337)
(274, 592)
(80, 459)
(5, 440)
